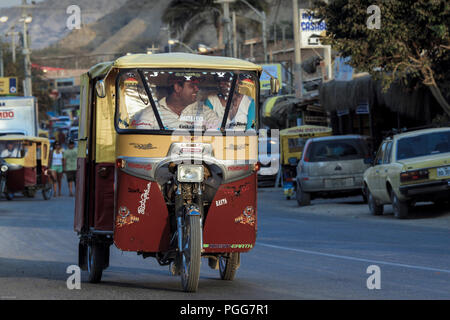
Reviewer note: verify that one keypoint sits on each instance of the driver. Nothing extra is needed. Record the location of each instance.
(11, 151)
(179, 109)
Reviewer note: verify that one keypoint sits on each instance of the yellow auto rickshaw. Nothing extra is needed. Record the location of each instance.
(27, 159)
(292, 141)
(167, 162)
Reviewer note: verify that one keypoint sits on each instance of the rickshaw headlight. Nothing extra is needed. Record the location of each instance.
(4, 168)
(190, 173)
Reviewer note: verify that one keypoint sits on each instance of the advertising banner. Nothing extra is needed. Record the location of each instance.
(8, 86)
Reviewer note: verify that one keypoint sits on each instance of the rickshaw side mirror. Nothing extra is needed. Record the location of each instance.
(274, 85)
(100, 88)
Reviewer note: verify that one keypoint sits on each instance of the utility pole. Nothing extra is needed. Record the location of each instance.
(227, 28)
(28, 91)
(2, 20)
(235, 48)
(1, 60)
(13, 35)
(298, 82)
(262, 16)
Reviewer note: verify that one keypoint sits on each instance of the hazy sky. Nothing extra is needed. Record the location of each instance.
(13, 3)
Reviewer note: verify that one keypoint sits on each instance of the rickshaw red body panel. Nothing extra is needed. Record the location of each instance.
(29, 176)
(142, 219)
(104, 197)
(231, 223)
(15, 182)
(141, 215)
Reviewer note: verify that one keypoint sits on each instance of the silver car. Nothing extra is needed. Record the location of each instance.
(332, 166)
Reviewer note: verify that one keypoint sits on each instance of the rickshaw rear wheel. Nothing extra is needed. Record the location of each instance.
(29, 193)
(96, 255)
(191, 255)
(228, 265)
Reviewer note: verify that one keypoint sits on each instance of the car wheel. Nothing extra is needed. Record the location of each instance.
(401, 208)
(375, 209)
(303, 198)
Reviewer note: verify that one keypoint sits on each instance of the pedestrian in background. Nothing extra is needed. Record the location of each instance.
(70, 165)
(56, 167)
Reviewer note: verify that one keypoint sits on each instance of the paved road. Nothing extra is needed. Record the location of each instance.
(317, 252)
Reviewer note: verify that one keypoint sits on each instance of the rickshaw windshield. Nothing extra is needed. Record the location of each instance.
(10, 149)
(195, 100)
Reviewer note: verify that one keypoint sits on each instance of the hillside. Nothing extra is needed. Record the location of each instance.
(50, 17)
(111, 28)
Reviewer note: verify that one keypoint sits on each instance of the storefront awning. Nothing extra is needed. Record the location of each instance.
(347, 95)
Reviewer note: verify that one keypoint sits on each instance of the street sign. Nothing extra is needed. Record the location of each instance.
(311, 29)
(8, 86)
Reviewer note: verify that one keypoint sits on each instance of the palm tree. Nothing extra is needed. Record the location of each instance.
(187, 16)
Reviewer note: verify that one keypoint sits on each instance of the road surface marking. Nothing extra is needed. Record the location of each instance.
(330, 255)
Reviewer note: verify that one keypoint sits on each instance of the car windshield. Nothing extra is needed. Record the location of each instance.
(198, 100)
(423, 145)
(331, 150)
(296, 144)
(10, 149)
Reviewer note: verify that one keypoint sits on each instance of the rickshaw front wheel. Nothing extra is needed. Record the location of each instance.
(9, 195)
(228, 265)
(191, 255)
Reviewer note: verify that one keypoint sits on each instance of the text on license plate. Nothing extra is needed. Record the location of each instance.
(344, 182)
(443, 172)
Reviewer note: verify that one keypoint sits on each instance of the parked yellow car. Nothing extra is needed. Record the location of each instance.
(409, 167)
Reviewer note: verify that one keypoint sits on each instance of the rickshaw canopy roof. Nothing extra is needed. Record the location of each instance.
(306, 129)
(175, 60)
(18, 137)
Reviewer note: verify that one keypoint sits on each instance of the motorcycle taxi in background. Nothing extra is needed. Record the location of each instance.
(177, 187)
(27, 159)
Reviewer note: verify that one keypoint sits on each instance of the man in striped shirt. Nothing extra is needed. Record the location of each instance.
(179, 110)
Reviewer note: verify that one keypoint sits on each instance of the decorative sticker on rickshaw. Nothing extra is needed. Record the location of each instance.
(142, 146)
(247, 217)
(221, 202)
(125, 217)
(235, 192)
(236, 147)
(144, 198)
(147, 166)
(239, 168)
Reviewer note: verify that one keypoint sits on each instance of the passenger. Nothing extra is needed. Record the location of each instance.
(11, 151)
(242, 110)
(179, 109)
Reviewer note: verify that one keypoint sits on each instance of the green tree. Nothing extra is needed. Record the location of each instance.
(411, 44)
(188, 16)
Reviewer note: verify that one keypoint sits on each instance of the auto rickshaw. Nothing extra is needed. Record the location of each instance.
(292, 142)
(177, 187)
(27, 159)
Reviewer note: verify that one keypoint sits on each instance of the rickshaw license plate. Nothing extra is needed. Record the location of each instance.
(334, 183)
(443, 172)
